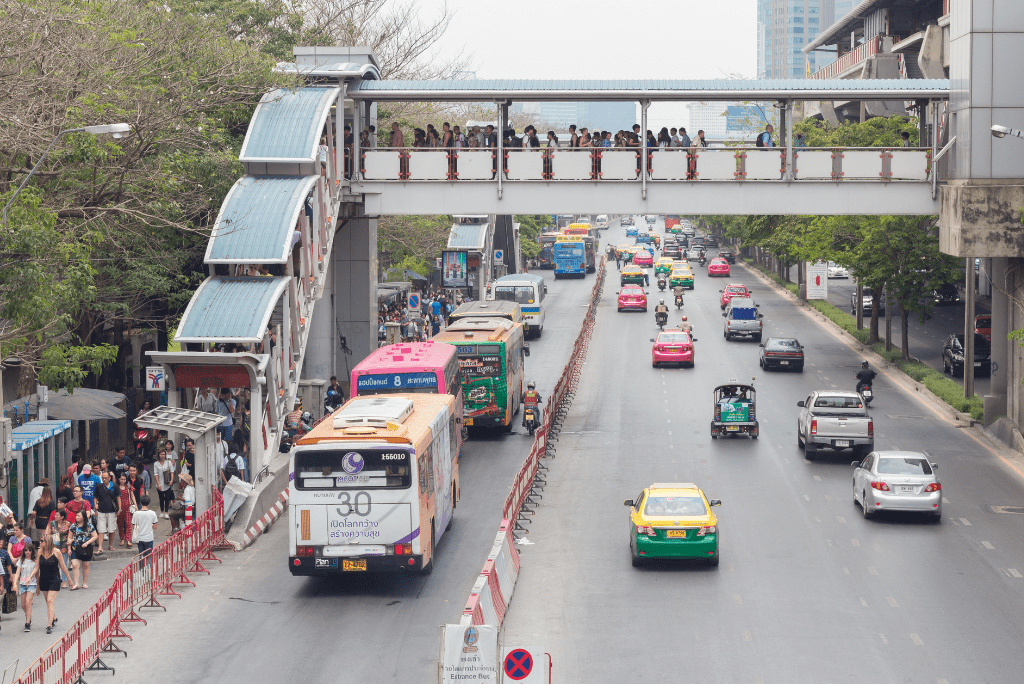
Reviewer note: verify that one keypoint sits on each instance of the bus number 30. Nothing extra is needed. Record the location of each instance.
(347, 504)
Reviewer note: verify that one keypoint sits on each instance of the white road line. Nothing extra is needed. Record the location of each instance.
(945, 500)
(966, 522)
(987, 545)
(863, 602)
(841, 519)
(855, 542)
(895, 448)
(872, 571)
(828, 497)
(817, 519)
(953, 520)
(729, 568)
(747, 636)
(670, 432)
(817, 478)
(806, 498)
(824, 377)
(882, 637)
(916, 639)
(737, 599)
(1013, 572)
(942, 681)
(892, 602)
(834, 385)
(846, 570)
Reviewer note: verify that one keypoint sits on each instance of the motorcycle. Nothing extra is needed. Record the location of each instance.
(142, 438)
(679, 301)
(702, 260)
(662, 282)
(867, 394)
(661, 318)
(531, 418)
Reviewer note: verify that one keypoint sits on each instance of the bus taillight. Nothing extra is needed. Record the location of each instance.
(303, 550)
(403, 549)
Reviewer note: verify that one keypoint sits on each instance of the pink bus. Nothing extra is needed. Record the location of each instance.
(428, 367)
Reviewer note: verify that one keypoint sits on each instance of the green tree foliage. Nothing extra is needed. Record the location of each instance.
(530, 228)
(876, 132)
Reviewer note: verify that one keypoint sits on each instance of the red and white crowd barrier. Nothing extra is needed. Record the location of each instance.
(138, 585)
(492, 592)
(267, 520)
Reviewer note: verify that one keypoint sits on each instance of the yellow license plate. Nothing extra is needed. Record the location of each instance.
(732, 428)
(358, 565)
(676, 534)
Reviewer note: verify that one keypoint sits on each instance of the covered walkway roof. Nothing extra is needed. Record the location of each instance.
(471, 236)
(287, 125)
(231, 309)
(257, 220)
(655, 90)
(35, 432)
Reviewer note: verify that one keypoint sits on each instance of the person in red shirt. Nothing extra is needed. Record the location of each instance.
(78, 504)
(73, 468)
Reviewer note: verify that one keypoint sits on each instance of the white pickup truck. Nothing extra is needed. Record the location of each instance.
(834, 419)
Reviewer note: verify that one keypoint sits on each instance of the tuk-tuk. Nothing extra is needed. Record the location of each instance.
(735, 410)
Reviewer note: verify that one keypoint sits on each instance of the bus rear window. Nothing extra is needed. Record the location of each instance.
(522, 294)
(382, 468)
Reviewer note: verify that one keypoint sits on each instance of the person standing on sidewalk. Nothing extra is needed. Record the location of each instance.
(58, 531)
(48, 574)
(39, 517)
(6, 570)
(108, 498)
(82, 534)
(186, 498)
(144, 527)
(18, 541)
(78, 504)
(163, 471)
(126, 507)
(25, 581)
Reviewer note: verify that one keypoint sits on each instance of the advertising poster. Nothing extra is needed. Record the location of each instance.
(485, 388)
(817, 280)
(454, 269)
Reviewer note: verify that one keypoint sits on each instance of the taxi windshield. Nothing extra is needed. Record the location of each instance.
(675, 505)
(676, 338)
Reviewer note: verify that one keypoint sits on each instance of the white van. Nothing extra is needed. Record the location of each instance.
(602, 222)
(527, 290)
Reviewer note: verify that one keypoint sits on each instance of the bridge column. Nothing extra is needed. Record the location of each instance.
(348, 308)
(995, 401)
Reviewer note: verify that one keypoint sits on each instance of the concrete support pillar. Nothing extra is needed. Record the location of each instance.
(348, 309)
(995, 401)
(969, 330)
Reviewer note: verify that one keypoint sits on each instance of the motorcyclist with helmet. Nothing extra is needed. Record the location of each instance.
(661, 313)
(678, 292)
(532, 400)
(865, 376)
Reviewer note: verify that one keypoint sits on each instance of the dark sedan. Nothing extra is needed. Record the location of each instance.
(728, 255)
(710, 240)
(946, 294)
(953, 355)
(782, 353)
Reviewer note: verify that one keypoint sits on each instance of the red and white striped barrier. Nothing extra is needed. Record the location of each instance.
(268, 519)
(492, 592)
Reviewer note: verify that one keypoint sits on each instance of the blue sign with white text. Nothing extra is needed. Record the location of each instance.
(396, 381)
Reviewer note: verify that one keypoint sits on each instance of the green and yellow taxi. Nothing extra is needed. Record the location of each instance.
(681, 277)
(676, 229)
(632, 274)
(673, 520)
(663, 265)
(620, 250)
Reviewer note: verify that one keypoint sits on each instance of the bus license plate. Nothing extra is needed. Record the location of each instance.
(356, 565)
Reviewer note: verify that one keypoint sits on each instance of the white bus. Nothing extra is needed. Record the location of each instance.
(374, 486)
(527, 290)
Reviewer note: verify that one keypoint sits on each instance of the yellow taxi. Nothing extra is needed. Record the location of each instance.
(620, 250)
(673, 520)
(680, 277)
(663, 265)
(634, 275)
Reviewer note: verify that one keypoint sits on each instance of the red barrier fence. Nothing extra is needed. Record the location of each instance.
(137, 586)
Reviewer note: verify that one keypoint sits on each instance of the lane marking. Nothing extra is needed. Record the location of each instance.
(817, 519)
(945, 500)
(1014, 573)
(806, 498)
(987, 545)
(966, 522)
(916, 639)
(841, 519)
(942, 681)
(846, 570)
(817, 478)
(828, 497)
(863, 602)
(855, 542)
(872, 571)
(729, 568)
(892, 602)
(896, 448)
(747, 636)
(953, 520)
(882, 637)
(737, 599)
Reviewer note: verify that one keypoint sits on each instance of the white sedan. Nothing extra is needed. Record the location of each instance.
(837, 271)
(897, 481)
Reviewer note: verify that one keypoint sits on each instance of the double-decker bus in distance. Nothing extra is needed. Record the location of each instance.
(546, 257)
(374, 486)
(425, 367)
(492, 353)
(570, 256)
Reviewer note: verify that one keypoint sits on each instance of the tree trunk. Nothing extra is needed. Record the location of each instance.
(905, 342)
(876, 301)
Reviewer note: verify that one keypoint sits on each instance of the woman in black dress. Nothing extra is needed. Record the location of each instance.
(49, 567)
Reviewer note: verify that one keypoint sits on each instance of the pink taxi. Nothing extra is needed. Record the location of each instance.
(733, 290)
(672, 346)
(632, 297)
(643, 258)
(718, 267)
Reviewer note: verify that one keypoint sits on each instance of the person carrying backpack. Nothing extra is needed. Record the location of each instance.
(765, 138)
(230, 466)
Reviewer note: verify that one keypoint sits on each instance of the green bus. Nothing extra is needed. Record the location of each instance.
(492, 354)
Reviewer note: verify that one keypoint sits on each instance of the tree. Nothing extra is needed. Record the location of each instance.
(530, 228)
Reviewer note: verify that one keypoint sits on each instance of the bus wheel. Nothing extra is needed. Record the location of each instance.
(429, 567)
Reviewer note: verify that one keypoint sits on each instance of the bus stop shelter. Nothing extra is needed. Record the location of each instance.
(40, 448)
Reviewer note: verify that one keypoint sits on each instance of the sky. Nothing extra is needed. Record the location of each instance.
(590, 39)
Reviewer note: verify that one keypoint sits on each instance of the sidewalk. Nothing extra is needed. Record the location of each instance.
(17, 645)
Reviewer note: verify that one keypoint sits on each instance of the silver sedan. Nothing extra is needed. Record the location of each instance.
(897, 481)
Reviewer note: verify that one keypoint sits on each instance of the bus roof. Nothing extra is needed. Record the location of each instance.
(392, 418)
(429, 353)
(520, 278)
(478, 330)
(488, 309)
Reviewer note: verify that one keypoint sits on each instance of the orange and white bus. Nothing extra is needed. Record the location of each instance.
(375, 486)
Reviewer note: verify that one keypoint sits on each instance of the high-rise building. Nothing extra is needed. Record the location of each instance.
(604, 116)
(784, 27)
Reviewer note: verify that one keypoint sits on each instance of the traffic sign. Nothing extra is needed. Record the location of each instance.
(518, 664)
(499, 255)
(414, 301)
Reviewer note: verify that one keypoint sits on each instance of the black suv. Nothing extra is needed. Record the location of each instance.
(953, 355)
(728, 255)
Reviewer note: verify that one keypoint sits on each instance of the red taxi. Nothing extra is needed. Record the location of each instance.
(983, 326)
(733, 290)
(673, 346)
(718, 267)
(643, 258)
(632, 297)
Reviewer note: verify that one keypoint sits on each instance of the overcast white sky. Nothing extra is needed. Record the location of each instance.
(590, 39)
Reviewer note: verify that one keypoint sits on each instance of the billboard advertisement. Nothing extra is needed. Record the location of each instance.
(743, 118)
(817, 280)
(454, 269)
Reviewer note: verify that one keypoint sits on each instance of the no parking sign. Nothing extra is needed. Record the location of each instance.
(414, 301)
(523, 665)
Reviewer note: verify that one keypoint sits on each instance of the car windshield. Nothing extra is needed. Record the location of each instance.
(632, 291)
(793, 344)
(904, 466)
(674, 338)
(980, 343)
(675, 505)
(838, 402)
(522, 294)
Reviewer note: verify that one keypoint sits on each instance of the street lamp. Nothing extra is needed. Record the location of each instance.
(117, 130)
(1003, 131)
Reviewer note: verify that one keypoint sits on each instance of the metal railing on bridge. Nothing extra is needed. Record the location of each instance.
(673, 164)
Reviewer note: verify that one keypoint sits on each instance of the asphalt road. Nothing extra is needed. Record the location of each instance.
(251, 621)
(807, 591)
(926, 339)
